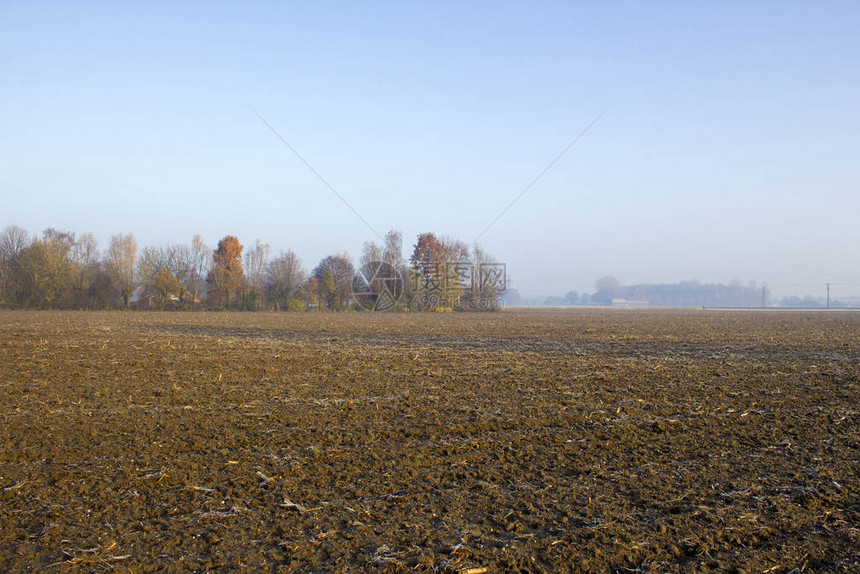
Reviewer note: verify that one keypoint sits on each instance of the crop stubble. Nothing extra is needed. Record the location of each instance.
(515, 441)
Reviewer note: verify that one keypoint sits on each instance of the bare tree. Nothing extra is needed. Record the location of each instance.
(457, 269)
(180, 263)
(487, 284)
(392, 251)
(285, 279)
(201, 255)
(373, 275)
(85, 259)
(256, 259)
(13, 241)
(370, 252)
(150, 261)
(120, 264)
(456, 251)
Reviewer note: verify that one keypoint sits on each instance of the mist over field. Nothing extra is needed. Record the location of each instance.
(723, 147)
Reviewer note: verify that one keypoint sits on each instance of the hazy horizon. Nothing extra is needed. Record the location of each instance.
(727, 151)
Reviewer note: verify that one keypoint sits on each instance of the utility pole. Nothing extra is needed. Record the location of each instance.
(828, 295)
(763, 295)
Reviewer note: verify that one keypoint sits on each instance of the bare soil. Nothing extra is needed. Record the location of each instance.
(593, 441)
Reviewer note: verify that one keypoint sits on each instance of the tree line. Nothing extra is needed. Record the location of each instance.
(609, 291)
(65, 270)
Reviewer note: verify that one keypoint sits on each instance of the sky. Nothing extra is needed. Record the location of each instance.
(727, 149)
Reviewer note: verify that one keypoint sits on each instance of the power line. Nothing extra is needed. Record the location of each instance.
(540, 175)
(316, 173)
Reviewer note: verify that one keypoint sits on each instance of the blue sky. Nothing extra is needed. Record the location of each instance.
(729, 148)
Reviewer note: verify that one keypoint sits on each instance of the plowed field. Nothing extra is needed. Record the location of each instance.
(594, 441)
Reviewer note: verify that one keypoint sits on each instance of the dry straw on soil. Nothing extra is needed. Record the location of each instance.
(586, 441)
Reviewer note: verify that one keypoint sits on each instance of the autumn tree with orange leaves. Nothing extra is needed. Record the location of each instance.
(428, 256)
(227, 275)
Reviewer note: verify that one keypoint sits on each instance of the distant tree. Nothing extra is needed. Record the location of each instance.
(167, 287)
(200, 258)
(227, 274)
(102, 293)
(392, 253)
(428, 256)
(372, 278)
(457, 271)
(60, 270)
(424, 276)
(313, 292)
(84, 257)
(392, 250)
(488, 281)
(178, 259)
(285, 279)
(48, 269)
(35, 273)
(683, 294)
(13, 242)
(446, 273)
(256, 261)
(607, 289)
(120, 264)
(180, 262)
(572, 298)
(378, 284)
(607, 283)
(150, 261)
(370, 252)
(456, 251)
(333, 277)
(513, 297)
